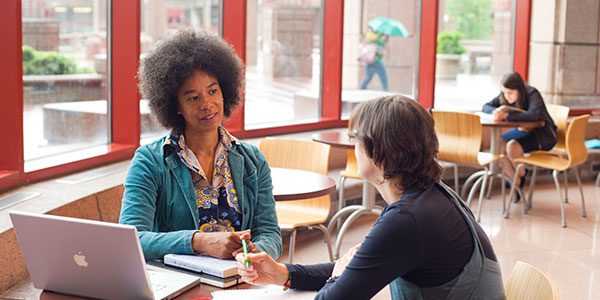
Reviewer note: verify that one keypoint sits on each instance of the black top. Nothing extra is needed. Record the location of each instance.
(535, 110)
(422, 238)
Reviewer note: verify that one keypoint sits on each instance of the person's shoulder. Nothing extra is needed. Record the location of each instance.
(249, 151)
(245, 148)
(398, 214)
(532, 90)
(154, 148)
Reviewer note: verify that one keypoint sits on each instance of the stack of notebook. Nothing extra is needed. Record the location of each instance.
(218, 272)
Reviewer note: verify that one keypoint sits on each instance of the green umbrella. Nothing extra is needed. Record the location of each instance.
(388, 26)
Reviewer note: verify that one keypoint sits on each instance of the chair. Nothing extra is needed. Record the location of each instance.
(576, 154)
(560, 115)
(459, 136)
(528, 282)
(310, 213)
(351, 171)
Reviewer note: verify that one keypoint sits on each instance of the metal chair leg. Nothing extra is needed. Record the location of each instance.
(513, 188)
(531, 187)
(292, 246)
(481, 193)
(473, 189)
(328, 240)
(341, 200)
(566, 187)
(583, 212)
(563, 222)
(344, 228)
(472, 178)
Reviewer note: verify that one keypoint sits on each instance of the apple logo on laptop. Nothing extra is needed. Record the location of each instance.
(80, 260)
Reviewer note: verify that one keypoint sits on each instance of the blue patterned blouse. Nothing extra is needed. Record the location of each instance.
(218, 206)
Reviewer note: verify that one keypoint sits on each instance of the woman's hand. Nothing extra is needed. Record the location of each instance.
(500, 114)
(245, 235)
(263, 269)
(218, 244)
(340, 264)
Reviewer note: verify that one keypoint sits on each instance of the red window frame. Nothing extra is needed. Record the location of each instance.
(125, 114)
(125, 98)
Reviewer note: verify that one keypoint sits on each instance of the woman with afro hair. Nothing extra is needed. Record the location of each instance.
(198, 189)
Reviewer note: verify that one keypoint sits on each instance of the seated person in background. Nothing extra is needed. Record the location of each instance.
(518, 101)
(426, 244)
(198, 189)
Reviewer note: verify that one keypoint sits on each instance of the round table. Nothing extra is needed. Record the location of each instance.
(340, 139)
(293, 184)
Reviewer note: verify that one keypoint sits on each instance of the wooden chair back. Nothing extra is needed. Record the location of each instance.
(301, 155)
(560, 115)
(527, 282)
(459, 135)
(575, 141)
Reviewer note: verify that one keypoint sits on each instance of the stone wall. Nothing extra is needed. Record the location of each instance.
(41, 34)
(564, 51)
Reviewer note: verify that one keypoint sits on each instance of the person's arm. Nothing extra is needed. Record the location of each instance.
(489, 107)
(265, 228)
(389, 251)
(309, 277)
(535, 111)
(139, 209)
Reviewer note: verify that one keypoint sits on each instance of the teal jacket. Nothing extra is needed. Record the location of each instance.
(160, 201)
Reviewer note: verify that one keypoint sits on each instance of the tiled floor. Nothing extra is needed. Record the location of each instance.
(569, 256)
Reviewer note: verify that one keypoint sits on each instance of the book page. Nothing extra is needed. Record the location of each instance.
(206, 264)
(268, 292)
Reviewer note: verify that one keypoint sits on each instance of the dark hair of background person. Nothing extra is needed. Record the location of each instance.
(514, 81)
(173, 60)
(399, 136)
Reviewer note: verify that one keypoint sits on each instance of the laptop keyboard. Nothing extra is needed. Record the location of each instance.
(155, 286)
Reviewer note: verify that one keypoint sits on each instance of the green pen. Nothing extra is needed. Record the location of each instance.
(245, 247)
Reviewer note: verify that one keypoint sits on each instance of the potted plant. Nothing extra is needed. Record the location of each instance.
(448, 51)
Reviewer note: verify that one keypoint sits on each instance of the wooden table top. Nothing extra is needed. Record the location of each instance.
(335, 139)
(292, 184)
(487, 120)
(205, 290)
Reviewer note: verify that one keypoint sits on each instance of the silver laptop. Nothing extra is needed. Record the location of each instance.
(92, 259)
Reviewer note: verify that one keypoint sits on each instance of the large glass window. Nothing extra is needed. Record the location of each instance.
(283, 62)
(381, 42)
(65, 78)
(475, 48)
(161, 18)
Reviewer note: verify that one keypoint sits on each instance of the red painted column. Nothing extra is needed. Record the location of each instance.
(428, 44)
(234, 31)
(522, 34)
(11, 94)
(125, 53)
(333, 36)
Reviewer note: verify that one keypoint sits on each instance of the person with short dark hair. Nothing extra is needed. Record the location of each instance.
(426, 244)
(199, 189)
(519, 101)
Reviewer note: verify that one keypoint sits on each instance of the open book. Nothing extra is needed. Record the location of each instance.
(203, 264)
(508, 108)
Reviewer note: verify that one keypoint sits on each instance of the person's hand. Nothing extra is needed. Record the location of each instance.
(340, 264)
(245, 235)
(500, 114)
(263, 269)
(216, 244)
